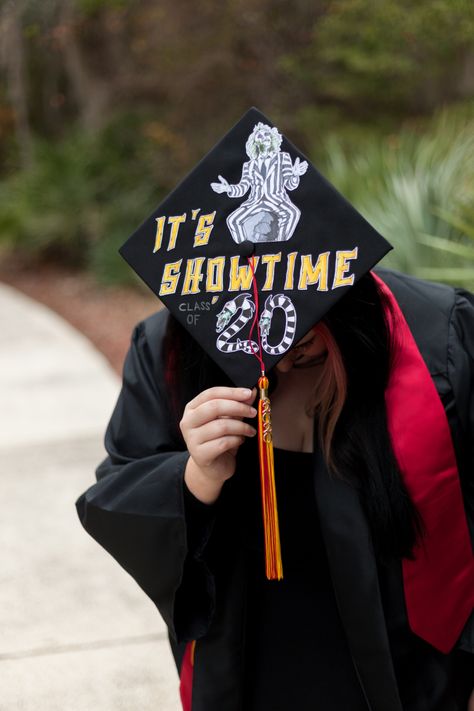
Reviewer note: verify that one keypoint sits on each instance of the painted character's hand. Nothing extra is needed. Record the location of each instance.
(213, 429)
(300, 168)
(222, 187)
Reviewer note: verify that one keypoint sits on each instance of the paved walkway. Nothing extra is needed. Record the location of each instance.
(76, 631)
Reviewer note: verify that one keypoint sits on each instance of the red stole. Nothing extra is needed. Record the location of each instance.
(186, 677)
(439, 582)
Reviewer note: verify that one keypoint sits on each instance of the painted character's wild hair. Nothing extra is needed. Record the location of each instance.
(252, 147)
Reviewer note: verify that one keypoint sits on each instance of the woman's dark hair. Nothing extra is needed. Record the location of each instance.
(361, 445)
(361, 450)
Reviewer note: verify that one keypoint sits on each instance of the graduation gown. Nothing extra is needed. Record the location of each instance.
(136, 512)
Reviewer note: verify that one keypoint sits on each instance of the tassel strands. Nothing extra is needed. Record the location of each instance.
(271, 530)
(273, 562)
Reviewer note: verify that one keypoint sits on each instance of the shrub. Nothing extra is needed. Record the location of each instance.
(417, 189)
(85, 195)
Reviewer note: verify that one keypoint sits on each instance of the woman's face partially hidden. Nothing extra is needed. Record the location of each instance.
(309, 352)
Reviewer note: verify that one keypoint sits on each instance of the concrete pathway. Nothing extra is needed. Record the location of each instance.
(76, 631)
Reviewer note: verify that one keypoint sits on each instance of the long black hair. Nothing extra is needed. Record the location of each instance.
(361, 450)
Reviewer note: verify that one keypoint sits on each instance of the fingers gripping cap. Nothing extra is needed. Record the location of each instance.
(253, 196)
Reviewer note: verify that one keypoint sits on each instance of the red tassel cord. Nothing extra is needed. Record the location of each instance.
(273, 561)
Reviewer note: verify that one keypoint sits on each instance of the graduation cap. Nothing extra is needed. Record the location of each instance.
(249, 252)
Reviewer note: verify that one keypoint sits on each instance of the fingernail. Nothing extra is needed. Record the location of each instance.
(246, 391)
(253, 412)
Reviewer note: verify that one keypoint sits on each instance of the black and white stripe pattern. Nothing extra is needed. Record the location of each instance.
(244, 304)
(268, 193)
(278, 301)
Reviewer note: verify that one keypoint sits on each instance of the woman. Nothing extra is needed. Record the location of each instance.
(176, 503)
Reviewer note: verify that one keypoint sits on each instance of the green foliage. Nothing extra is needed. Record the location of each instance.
(349, 80)
(379, 56)
(91, 7)
(417, 189)
(85, 195)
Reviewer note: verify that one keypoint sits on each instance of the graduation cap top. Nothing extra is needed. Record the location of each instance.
(254, 221)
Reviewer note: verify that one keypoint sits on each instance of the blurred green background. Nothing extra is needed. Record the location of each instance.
(106, 104)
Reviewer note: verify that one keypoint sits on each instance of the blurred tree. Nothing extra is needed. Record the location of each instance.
(117, 99)
(12, 59)
(90, 91)
(376, 57)
(307, 64)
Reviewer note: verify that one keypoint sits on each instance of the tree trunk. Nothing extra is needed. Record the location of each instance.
(13, 58)
(91, 94)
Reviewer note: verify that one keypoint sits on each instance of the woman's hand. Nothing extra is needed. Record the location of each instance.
(213, 430)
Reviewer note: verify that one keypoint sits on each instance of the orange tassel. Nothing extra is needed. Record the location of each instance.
(273, 562)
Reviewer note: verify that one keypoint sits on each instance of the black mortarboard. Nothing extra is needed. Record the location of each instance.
(249, 252)
(254, 194)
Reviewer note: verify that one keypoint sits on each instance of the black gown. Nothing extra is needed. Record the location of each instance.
(136, 511)
(296, 652)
